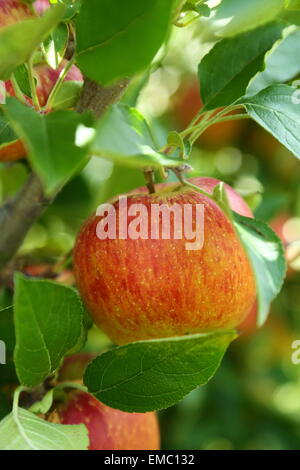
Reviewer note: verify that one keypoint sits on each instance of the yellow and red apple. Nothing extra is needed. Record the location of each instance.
(155, 288)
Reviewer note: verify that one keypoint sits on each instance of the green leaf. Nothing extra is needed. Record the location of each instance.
(28, 432)
(14, 49)
(48, 322)
(68, 95)
(198, 7)
(277, 110)
(155, 374)
(282, 65)
(21, 75)
(233, 17)
(52, 141)
(226, 70)
(45, 404)
(176, 141)
(293, 5)
(7, 135)
(266, 254)
(72, 8)
(55, 45)
(124, 136)
(118, 39)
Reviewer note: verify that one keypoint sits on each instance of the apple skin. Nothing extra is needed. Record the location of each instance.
(110, 429)
(74, 366)
(145, 289)
(46, 77)
(13, 11)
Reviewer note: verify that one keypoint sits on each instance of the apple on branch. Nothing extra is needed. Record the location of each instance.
(138, 289)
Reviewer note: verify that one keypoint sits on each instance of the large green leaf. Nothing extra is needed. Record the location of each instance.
(276, 108)
(226, 70)
(51, 141)
(124, 136)
(48, 322)
(282, 65)
(150, 375)
(236, 16)
(266, 254)
(25, 431)
(118, 39)
(18, 41)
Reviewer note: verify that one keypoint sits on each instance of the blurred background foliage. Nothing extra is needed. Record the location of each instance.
(253, 402)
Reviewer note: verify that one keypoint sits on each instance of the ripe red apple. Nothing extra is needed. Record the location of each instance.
(109, 429)
(154, 288)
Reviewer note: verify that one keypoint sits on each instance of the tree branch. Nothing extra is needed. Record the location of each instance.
(18, 214)
(97, 98)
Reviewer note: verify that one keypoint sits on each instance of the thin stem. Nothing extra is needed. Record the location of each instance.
(74, 385)
(233, 117)
(59, 83)
(217, 118)
(15, 413)
(19, 95)
(148, 173)
(196, 188)
(34, 95)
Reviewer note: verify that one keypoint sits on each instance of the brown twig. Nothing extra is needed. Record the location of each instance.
(97, 98)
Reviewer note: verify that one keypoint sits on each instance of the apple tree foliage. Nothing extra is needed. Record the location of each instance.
(244, 72)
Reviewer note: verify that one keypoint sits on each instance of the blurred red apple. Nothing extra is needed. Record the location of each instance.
(46, 77)
(155, 288)
(13, 11)
(74, 366)
(109, 429)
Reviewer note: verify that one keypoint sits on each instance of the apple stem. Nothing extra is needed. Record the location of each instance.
(34, 95)
(149, 177)
(59, 83)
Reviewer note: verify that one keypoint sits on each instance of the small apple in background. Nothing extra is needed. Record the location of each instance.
(109, 429)
(13, 11)
(188, 102)
(287, 228)
(46, 77)
(74, 366)
(47, 271)
(143, 289)
(41, 5)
